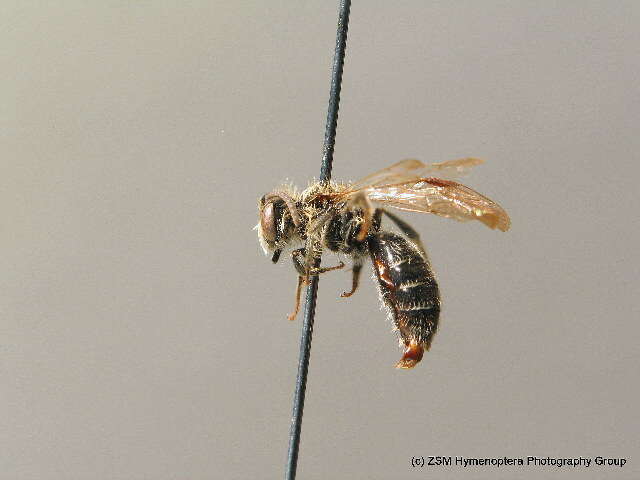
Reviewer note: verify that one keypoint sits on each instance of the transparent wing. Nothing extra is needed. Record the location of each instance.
(441, 197)
(411, 169)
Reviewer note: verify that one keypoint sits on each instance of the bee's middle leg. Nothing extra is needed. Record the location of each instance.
(299, 258)
(299, 262)
(355, 278)
(373, 224)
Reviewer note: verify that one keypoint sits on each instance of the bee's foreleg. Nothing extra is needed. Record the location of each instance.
(296, 309)
(299, 258)
(355, 278)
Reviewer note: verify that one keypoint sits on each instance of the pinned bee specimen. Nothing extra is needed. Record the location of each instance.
(346, 218)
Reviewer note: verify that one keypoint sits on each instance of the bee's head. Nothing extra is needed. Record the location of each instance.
(278, 220)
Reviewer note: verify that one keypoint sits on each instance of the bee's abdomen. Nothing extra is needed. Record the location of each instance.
(409, 290)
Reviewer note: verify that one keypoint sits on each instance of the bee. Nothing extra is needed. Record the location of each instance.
(346, 218)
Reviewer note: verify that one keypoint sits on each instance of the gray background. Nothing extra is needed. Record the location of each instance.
(143, 335)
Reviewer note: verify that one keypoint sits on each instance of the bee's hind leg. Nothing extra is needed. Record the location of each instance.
(362, 201)
(407, 230)
(355, 278)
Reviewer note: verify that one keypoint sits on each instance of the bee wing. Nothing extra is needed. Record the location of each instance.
(441, 197)
(411, 169)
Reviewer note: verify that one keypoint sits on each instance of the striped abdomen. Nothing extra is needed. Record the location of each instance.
(409, 290)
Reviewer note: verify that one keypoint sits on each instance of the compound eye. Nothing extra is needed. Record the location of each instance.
(268, 223)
